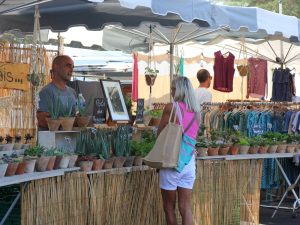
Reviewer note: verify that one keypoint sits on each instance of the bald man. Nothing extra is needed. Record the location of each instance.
(61, 72)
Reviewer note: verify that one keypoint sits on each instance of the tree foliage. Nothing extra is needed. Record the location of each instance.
(289, 7)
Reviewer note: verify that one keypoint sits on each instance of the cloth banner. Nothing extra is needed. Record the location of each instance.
(14, 76)
(135, 82)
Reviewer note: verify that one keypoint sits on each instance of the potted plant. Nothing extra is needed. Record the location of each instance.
(213, 148)
(62, 160)
(234, 138)
(18, 145)
(9, 145)
(202, 147)
(254, 145)
(120, 145)
(54, 108)
(27, 139)
(30, 157)
(150, 75)
(263, 145)
(12, 165)
(67, 118)
(3, 167)
(155, 115)
(82, 119)
(244, 145)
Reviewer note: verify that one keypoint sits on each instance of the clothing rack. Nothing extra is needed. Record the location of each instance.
(246, 103)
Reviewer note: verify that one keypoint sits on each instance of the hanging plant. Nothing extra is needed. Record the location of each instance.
(151, 72)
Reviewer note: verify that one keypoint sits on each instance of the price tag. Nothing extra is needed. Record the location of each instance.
(269, 125)
(236, 127)
(257, 130)
(139, 111)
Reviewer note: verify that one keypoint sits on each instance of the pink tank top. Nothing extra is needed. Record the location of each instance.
(187, 118)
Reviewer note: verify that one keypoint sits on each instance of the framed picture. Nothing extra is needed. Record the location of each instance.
(115, 100)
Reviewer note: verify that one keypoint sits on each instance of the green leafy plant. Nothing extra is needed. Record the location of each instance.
(82, 109)
(54, 152)
(67, 108)
(150, 71)
(120, 141)
(156, 113)
(54, 107)
(243, 141)
(33, 151)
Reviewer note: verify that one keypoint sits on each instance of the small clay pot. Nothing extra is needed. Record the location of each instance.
(108, 164)
(21, 168)
(86, 165)
(290, 148)
(234, 149)
(73, 159)
(253, 149)
(202, 152)
(42, 163)
(212, 151)
(11, 169)
(223, 150)
(119, 162)
(98, 164)
(129, 161)
(29, 165)
(3, 168)
(138, 161)
(281, 148)
(67, 123)
(263, 149)
(51, 163)
(53, 124)
(244, 149)
(82, 121)
(272, 148)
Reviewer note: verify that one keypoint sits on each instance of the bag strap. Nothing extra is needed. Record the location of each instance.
(190, 124)
(174, 120)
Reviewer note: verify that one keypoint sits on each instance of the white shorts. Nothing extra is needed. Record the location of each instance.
(170, 179)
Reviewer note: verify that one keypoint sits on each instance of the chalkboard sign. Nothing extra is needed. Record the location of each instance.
(139, 111)
(99, 112)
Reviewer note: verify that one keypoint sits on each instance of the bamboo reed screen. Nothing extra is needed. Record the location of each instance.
(220, 193)
(19, 115)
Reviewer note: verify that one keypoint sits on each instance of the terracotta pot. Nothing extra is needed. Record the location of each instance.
(234, 149)
(108, 164)
(61, 162)
(42, 163)
(21, 168)
(244, 149)
(86, 165)
(150, 79)
(263, 149)
(119, 162)
(98, 164)
(202, 152)
(3, 168)
(53, 124)
(29, 165)
(253, 149)
(129, 161)
(67, 123)
(51, 162)
(83, 121)
(223, 150)
(73, 159)
(138, 161)
(8, 147)
(272, 148)
(290, 148)
(11, 169)
(212, 151)
(281, 148)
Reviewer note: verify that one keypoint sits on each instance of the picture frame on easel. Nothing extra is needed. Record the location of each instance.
(115, 100)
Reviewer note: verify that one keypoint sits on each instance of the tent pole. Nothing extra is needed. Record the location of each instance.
(171, 66)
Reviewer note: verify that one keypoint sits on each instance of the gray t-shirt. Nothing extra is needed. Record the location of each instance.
(50, 92)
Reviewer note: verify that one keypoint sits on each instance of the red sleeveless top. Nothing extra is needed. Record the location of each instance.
(223, 72)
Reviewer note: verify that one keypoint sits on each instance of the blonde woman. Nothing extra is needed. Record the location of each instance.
(180, 181)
